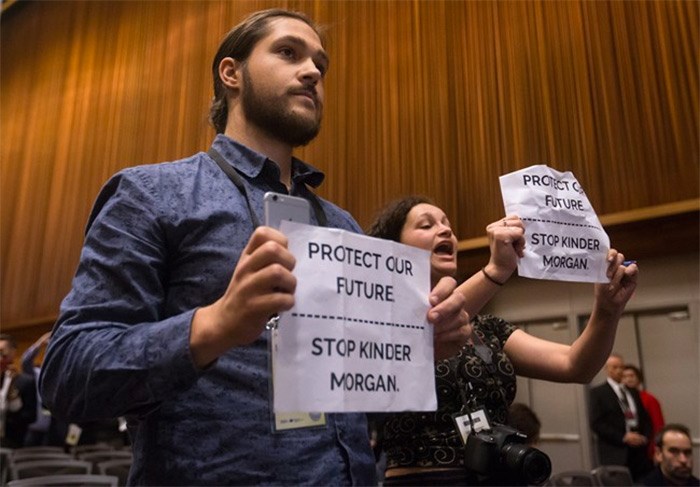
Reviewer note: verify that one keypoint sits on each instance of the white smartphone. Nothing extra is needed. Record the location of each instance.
(279, 207)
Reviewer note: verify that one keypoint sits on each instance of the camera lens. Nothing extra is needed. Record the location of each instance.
(274, 197)
(531, 465)
(536, 467)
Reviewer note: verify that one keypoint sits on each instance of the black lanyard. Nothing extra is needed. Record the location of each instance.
(482, 351)
(238, 182)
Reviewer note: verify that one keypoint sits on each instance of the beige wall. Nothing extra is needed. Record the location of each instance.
(671, 367)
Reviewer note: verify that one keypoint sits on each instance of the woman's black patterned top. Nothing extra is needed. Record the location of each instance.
(430, 439)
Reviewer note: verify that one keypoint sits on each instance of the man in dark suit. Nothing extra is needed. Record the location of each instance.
(620, 422)
(17, 397)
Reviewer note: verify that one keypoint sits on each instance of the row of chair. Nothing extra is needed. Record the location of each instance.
(30, 464)
(603, 476)
(76, 480)
(25, 463)
(75, 451)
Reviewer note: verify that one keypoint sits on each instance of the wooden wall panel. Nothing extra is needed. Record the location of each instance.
(434, 97)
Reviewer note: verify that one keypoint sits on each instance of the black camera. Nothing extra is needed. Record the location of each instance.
(503, 457)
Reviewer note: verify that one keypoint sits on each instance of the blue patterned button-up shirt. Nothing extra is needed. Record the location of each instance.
(162, 240)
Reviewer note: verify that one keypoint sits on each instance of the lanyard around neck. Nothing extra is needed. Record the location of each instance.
(237, 181)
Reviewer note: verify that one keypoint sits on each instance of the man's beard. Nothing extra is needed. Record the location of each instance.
(274, 117)
(680, 474)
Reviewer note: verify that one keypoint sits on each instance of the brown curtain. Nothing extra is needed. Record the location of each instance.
(433, 97)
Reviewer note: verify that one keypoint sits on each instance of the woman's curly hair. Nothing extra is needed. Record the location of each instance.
(390, 220)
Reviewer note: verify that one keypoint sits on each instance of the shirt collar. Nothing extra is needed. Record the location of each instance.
(253, 164)
(617, 387)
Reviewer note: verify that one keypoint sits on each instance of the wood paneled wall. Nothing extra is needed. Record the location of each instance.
(433, 97)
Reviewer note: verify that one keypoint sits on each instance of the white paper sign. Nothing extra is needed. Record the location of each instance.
(564, 238)
(357, 338)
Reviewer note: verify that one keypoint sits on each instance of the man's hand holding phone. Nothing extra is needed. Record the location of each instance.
(262, 286)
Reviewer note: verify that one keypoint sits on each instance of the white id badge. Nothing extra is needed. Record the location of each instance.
(475, 421)
(289, 421)
(631, 424)
(73, 436)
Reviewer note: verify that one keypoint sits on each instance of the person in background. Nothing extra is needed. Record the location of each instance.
(620, 422)
(165, 323)
(632, 378)
(17, 397)
(38, 431)
(674, 457)
(426, 448)
(47, 429)
(524, 419)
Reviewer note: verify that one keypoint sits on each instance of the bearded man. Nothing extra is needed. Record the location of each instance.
(166, 317)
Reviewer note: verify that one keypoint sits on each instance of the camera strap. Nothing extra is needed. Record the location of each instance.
(471, 418)
(469, 421)
(484, 353)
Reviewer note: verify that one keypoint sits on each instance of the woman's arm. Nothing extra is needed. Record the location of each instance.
(506, 242)
(580, 361)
